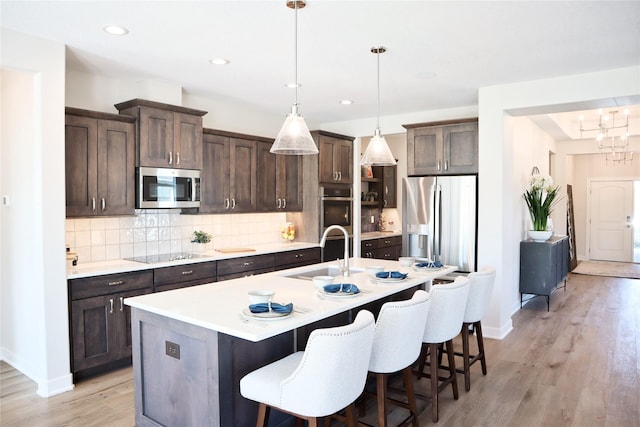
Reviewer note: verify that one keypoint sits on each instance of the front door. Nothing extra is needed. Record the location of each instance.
(611, 211)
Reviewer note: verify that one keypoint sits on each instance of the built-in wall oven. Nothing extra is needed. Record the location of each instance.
(336, 207)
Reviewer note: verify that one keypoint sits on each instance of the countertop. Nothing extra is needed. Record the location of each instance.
(219, 306)
(122, 266)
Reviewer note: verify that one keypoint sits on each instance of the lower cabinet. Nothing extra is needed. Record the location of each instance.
(101, 322)
(298, 258)
(181, 276)
(234, 268)
(383, 248)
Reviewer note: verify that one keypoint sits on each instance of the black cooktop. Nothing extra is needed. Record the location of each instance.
(152, 259)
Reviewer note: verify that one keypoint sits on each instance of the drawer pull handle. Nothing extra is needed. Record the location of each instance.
(247, 263)
(116, 283)
(110, 305)
(185, 273)
(121, 303)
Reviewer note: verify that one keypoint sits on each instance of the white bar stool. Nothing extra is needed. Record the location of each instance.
(444, 321)
(325, 378)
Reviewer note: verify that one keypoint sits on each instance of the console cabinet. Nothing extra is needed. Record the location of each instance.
(99, 163)
(544, 266)
(442, 148)
(169, 136)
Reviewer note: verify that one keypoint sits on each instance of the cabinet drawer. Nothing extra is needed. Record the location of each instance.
(244, 264)
(295, 258)
(244, 274)
(185, 273)
(390, 241)
(109, 284)
(368, 245)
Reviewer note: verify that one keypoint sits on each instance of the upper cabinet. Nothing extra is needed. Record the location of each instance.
(389, 186)
(443, 148)
(279, 180)
(169, 136)
(99, 163)
(335, 157)
(229, 174)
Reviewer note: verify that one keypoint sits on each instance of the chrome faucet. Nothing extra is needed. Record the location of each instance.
(323, 240)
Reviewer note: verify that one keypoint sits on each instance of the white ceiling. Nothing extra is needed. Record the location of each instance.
(439, 53)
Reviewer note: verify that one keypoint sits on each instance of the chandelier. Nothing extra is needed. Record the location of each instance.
(612, 139)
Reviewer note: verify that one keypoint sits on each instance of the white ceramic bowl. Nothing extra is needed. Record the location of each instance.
(373, 269)
(406, 261)
(259, 296)
(321, 281)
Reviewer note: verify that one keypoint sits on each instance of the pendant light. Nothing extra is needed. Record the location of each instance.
(378, 152)
(294, 137)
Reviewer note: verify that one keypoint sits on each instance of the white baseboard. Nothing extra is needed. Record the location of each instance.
(46, 387)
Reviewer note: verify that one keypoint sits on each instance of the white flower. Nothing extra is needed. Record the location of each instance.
(541, 182)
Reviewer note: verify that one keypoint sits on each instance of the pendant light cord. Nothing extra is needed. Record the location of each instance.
(378, 120)
(295, 53)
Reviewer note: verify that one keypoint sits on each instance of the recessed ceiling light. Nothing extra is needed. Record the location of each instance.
(346, 102)
(116, 30)
(292, 85)
(219, 61)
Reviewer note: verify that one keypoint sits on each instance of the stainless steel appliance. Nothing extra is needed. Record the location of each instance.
(336, 205)
(440, 219)
(167, 188)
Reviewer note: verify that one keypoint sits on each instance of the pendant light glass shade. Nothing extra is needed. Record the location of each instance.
(294, 137)
(378, 152)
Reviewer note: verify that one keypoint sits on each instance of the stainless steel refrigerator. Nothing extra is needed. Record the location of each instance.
(440, 219)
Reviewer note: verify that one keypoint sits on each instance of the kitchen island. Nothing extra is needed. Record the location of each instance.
(191, 346)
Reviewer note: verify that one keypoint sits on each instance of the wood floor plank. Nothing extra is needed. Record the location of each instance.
(576, 365)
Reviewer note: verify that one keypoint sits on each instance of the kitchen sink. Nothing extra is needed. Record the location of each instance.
(324, 271)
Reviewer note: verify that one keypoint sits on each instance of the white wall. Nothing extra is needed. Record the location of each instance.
(33, 289)
(499, 187)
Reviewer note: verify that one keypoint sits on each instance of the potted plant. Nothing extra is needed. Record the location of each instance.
(540, 199)
(200, 238)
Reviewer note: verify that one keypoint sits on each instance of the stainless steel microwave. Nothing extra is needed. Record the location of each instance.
(167, 188)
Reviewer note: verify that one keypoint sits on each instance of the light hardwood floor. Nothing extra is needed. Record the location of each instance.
(577, 365)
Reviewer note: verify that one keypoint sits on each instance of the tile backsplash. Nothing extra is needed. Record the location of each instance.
(160, 231)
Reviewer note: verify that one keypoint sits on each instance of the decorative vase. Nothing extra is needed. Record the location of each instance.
(199, 248)
(540, 236)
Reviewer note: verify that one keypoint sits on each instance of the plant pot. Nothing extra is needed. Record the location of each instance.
(540, 236)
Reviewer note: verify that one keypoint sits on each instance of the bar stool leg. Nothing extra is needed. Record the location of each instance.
(433, 365)
(381, 393)
(465, 356)
(452, 368)
(263, 415)
(480, 339)
(411, 397)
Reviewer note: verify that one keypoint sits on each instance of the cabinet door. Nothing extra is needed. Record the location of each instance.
(326, 169)
(343, 161)
(425, 151)
(81, 162)
(187, 144)
(214, 179)
(461, 148)
(267, 178)
(122, 325)
(243, 175)
(156, 128)
(94, 342)
(289, 182)
(389, 187)
(116, 168)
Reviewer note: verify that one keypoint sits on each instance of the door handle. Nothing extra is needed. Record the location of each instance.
(121, 303)
(104, 204)
(284, 203)
(438, 165)
(170, 157)
(278, 203)
(177, 157)
(227, 204)
(110, 305)
(93, 203)
(233, 203)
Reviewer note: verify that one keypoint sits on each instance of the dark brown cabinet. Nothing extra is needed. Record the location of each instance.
(297, 258)
(181, 276)
(99, 163)
(381, 248)
(335, 158)
(169, 136)
(229, 175)
(445, 148)
(389, 187)
(279, 180)
(233, 268)
(101, 322)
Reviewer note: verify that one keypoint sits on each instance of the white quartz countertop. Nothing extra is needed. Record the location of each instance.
(122, 266)
(219, 306)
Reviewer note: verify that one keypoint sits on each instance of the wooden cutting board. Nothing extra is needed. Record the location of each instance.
(231, 250)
